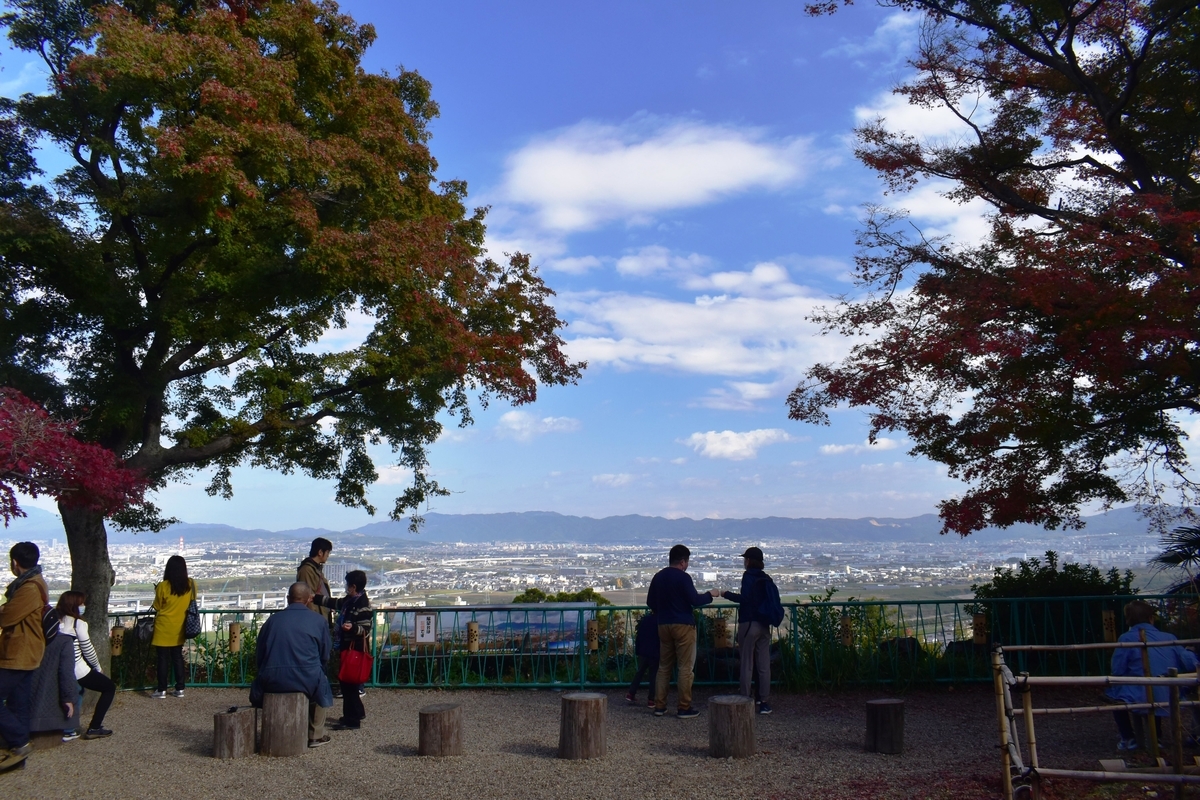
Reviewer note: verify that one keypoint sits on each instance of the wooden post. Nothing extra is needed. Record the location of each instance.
(979, 629)
(284, 724)
(581, 730)
(1109, 621)
(233, 733)
(847, 631)
(472, 637)
(720, 633)
(1176, 733)
(1002, 718)
(1035, 786)
(731, 726)
(593, 635)
(1152, 732)
(441, 730)
(118, 640)
(235, 637)
(885, 726)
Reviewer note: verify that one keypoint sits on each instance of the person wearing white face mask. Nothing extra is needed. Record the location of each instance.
(87, 666)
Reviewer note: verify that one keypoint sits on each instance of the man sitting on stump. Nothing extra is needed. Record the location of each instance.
(293, 649)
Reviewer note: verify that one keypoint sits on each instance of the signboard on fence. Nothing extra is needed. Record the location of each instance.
(426, 628)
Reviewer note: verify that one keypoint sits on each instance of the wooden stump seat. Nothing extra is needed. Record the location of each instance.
(284, 724)
(582, 725)
(885, 726)
(233, 733)
(441, 730)
(731, 726)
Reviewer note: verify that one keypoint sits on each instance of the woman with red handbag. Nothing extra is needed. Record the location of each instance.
(354, 620)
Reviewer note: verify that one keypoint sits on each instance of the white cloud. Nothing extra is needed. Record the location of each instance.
(733, 336)
(938, 215)
(395, 476)
(573, 266)
(523, 426)
(614, 481)
(733, 445)
(936, 123)
(24, 81)
(767, 279)
(895, 37)
(744, 395)
(656, 259)
(590, 173)
(881, 443)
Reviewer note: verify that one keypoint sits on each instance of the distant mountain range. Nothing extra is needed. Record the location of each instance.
(546, 526)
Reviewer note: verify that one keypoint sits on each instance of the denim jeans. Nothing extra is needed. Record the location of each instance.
(15, 709)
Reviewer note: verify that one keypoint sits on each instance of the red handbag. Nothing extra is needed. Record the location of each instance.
(356, 667)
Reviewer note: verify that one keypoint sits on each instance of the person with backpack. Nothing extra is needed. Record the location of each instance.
(87, 667)
(22, 644)
(759, 607)
(171, 600)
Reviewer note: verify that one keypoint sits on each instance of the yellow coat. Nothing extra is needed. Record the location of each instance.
(171, 608)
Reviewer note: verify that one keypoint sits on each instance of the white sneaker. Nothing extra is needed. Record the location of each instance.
(158, 695)
(178, 693)
(70, 736)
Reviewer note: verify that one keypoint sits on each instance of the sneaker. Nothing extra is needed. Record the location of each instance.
(650, 703)
(158, 695)
(687, 713)
(1127, 744)
(660, 712)
(630, 698)
(362, 692)
(70, 736)
(764, 708)
(23, 750)
(97, 733)
(318, 742)
(337, 694)
(343, 726)
(178, 693)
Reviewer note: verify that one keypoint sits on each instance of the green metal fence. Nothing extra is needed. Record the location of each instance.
(819, 644)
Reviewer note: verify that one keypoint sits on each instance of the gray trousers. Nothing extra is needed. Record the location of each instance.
(754, 649)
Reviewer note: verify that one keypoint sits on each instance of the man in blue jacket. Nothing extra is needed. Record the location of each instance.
(293, 648)
(671, 597)
(754, 627)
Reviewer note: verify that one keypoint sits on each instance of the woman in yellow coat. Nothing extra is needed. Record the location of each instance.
(171, 600)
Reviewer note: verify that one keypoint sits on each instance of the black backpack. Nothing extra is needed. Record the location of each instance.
(771, 606)
(50, 620)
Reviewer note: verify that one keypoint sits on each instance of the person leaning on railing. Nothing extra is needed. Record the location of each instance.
(1127, 661)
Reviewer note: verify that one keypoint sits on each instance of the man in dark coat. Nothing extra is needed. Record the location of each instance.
(293, 648)
(671, 597)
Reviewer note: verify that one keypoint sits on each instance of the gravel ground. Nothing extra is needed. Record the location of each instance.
(810, 747)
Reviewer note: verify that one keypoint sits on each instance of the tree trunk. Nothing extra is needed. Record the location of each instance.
(91, 571)
(731, 726)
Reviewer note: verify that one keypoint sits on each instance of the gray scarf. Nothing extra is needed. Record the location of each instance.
(24, 576)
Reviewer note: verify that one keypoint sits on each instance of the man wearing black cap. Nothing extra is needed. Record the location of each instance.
(756, 604)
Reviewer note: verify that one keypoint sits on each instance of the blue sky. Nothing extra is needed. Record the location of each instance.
(683, 174)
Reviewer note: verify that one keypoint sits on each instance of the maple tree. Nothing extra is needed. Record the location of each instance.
(39, 455)
(1054, 363)
(238, 187)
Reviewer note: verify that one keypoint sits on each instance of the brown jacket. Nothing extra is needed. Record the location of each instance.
(22, 642)
(313, 574)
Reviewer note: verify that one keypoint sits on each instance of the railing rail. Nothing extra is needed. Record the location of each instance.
(819, 644)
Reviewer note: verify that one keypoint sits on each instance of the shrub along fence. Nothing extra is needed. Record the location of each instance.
(819, 644)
